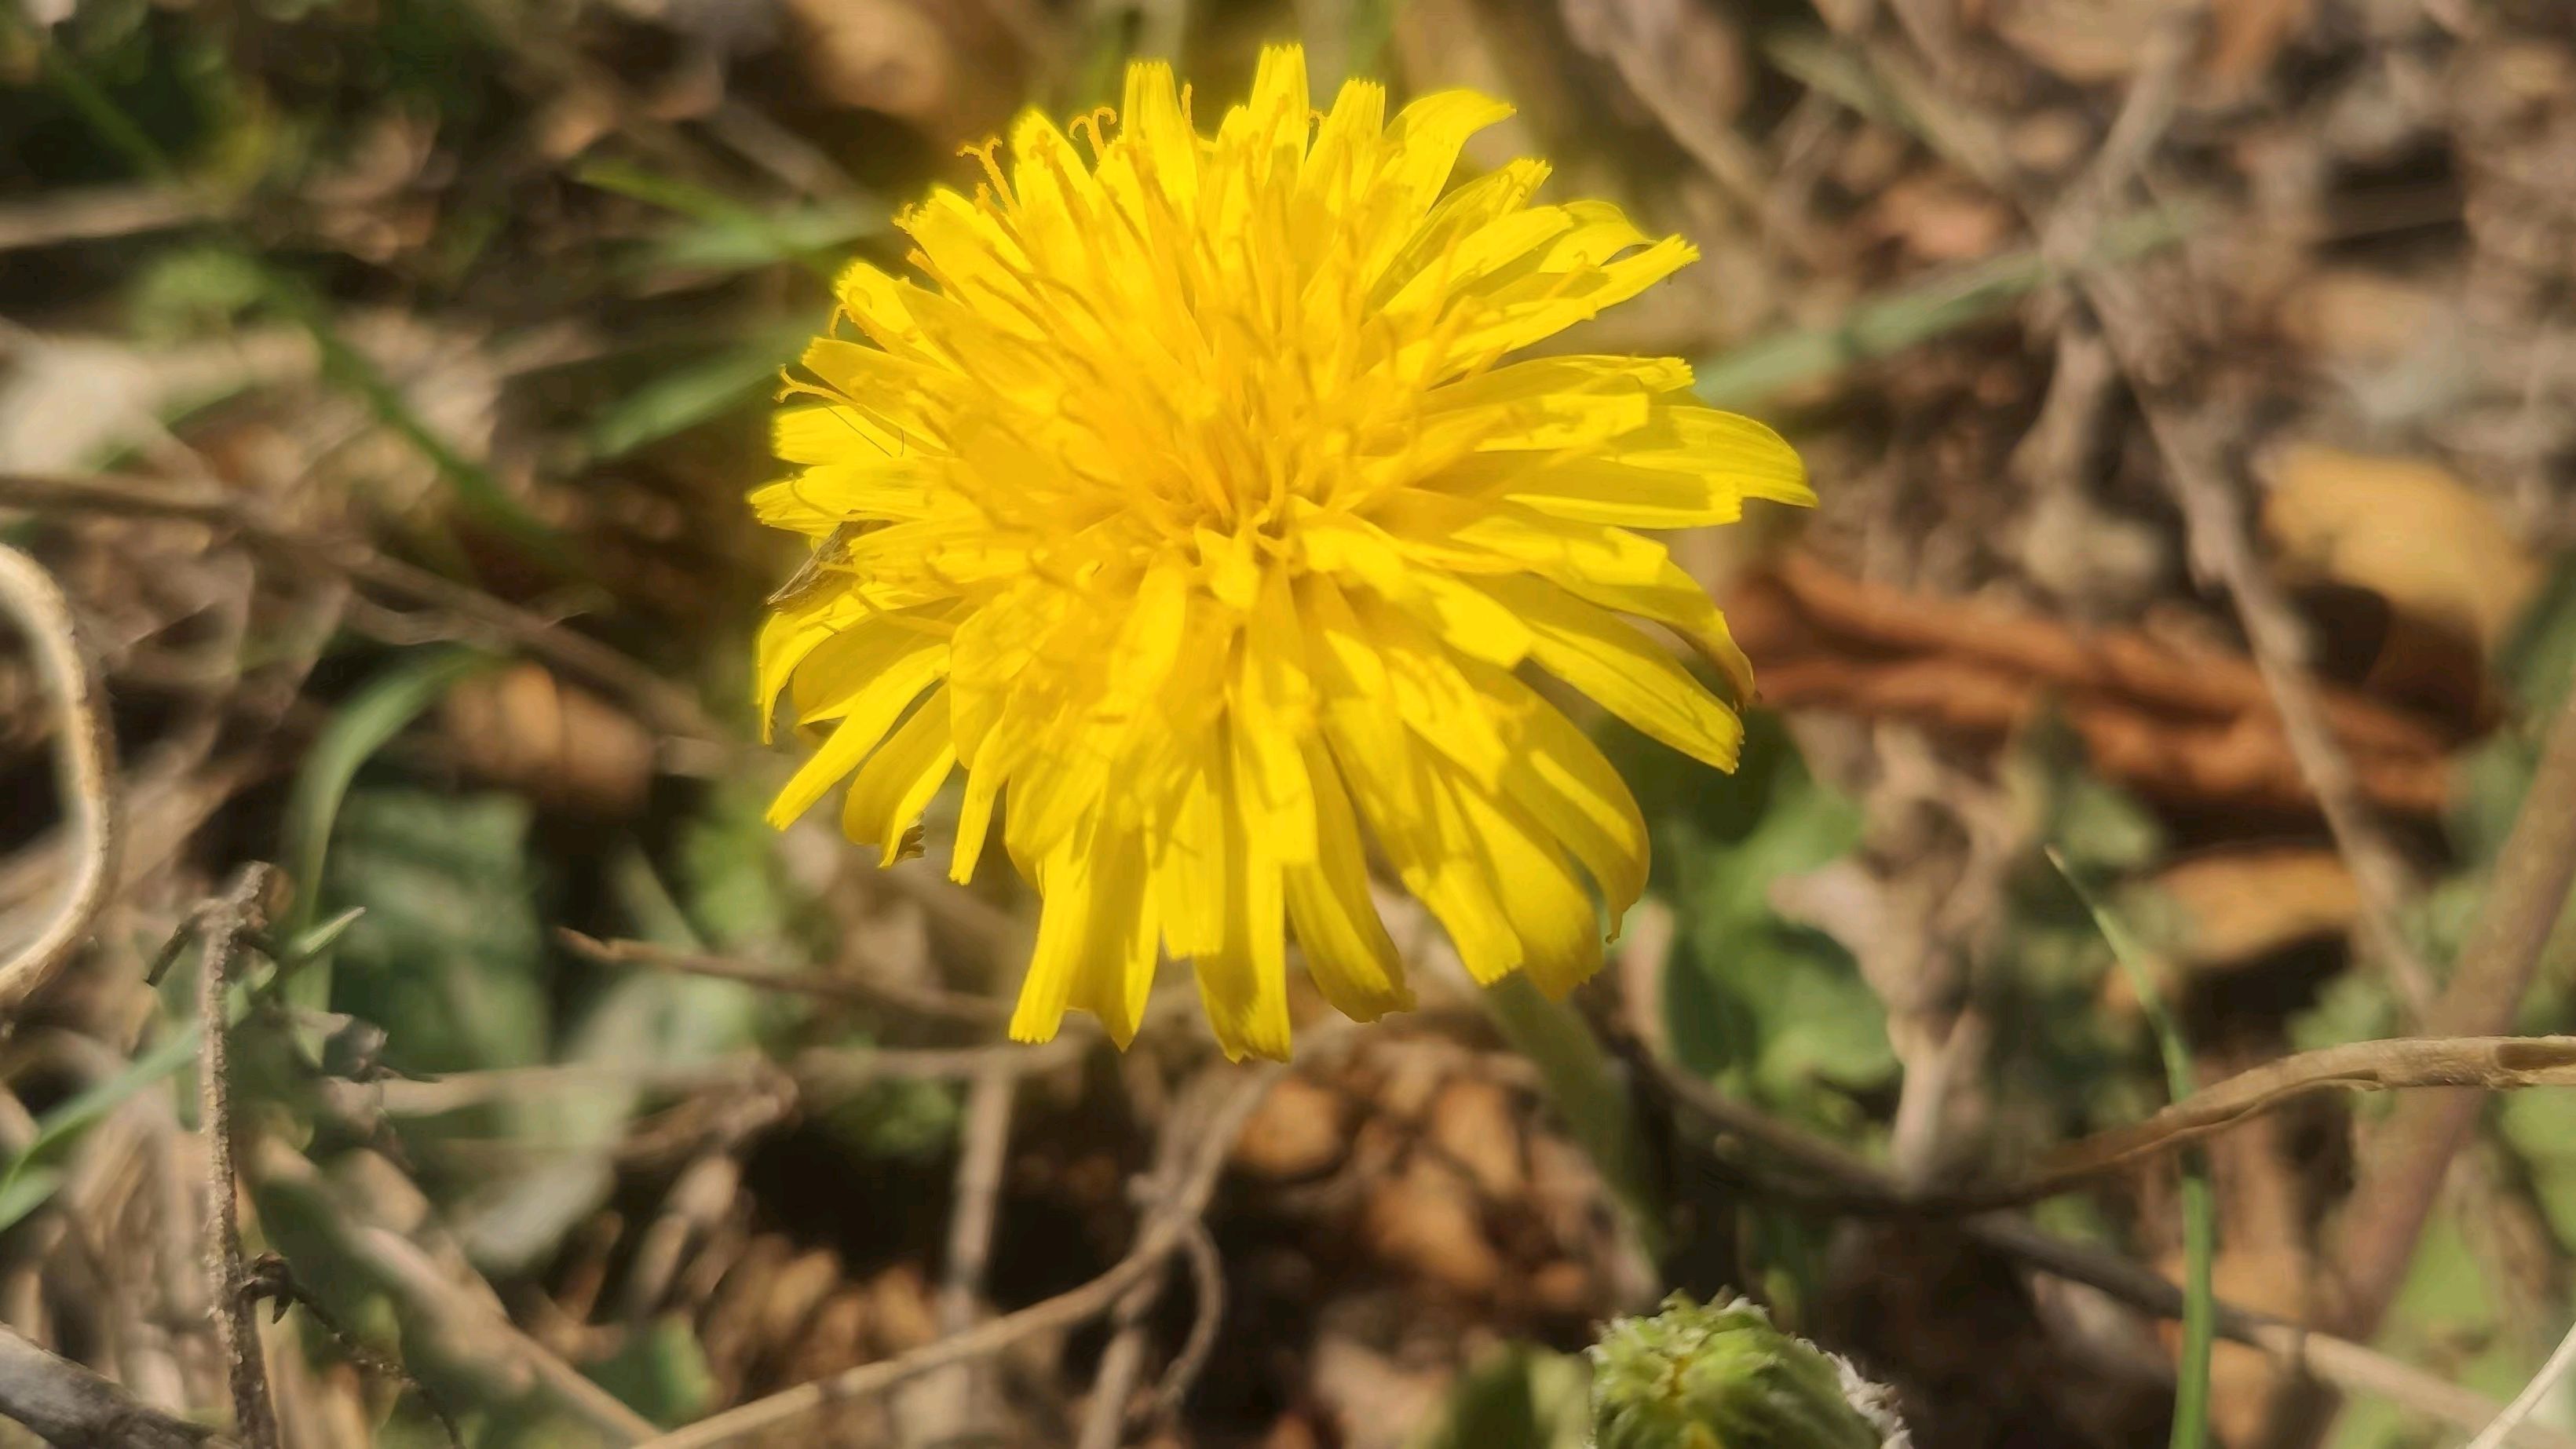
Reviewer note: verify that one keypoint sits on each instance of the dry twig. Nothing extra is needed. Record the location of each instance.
(476, 615)
(1163, 1234)
(220, 932)
(87, 769)
(950, 1404)
(1851, 1182)
(72, 1408)
(853, 990)
(2561, 1359)
(2484, 1063)
(2402, 1170)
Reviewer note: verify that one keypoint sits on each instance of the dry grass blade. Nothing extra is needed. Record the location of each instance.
(87, 752)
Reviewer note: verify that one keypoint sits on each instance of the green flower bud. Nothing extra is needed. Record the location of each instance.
(1721, 1377)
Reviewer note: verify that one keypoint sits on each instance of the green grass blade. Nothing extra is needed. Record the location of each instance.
(360, 727)
(31, 1177)
(1586, 1092)
(2199, 1206)
(475, 487)
(342, 364)
(1911, 316)
(694, 392)
(754, 235)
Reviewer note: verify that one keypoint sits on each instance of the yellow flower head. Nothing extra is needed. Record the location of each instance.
(1192, 510)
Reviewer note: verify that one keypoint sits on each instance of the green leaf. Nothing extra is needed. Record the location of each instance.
(730, 878)
(903, 1119)
(362, 725)
(1773, 1008)
(1590, 1097)
(512, 1220)
(1518, 1397)
(321, 938)
(447, 956)
(796, 234)
(661, 1373)
(731, 235)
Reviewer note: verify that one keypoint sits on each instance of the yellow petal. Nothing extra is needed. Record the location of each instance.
(1244, 984)
(1555, 922)
(896, 783)
(879, 303)
(1589, 648)
(1347, 951)
(1066, 884)
(834, 433)
(1571, 791)
(1116, 974)
(865, 716)
(1151, 113)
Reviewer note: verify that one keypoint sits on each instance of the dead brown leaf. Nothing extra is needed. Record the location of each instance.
(2407, 530)
(2175, 723)
(1301, 1129)
(526, 730)
(2239, 906)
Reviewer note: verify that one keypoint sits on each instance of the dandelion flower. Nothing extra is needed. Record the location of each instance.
(1191, 509)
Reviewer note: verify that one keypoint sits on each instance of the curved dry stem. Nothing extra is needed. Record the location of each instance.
(86, 765)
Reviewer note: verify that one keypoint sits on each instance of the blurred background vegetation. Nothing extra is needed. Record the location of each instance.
(381, 378)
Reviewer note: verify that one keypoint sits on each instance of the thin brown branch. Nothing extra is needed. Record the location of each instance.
(1207, 1280)
(72, 1408)
(236, 914)
(274, 1280)
(2279, 642)
(89, 213)
(949, 1404)
(2403, 1166)
(1831, 1177)
(86, 766)
(475, 615)
(2484, 1063)
(457, 1315)
(1162, 1235)
(852, 990)
(1104, 1418)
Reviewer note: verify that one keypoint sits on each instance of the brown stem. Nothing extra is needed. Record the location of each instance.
(2401, 1174)
(228, 1273)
